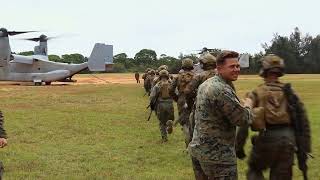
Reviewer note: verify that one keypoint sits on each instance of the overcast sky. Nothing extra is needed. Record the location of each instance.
(167, 26)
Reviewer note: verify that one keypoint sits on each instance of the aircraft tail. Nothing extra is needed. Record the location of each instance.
(101, 56)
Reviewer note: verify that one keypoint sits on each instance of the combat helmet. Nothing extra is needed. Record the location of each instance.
(272, 62)
(187, 63)
(147, 70)
(164, 73)
(153, 72)
(162, 67)
(208, 59)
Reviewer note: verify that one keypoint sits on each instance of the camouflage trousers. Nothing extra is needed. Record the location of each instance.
(164, 113)
(191, 122)
(184, 113)
(212, 171)
(187, 134)
(146, 87)
(276, 153)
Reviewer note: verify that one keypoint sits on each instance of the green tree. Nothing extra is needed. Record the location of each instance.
(120, 58)
(73, 58)
(54, 58)
(145, 57)
(312, 58)
(26, 53)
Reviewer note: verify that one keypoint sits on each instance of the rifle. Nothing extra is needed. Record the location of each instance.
(149, 116)
(152, 105)
(296, 111)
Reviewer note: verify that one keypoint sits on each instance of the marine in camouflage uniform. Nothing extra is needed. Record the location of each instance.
(274, 146)
(184, 105)
(149, 80)
(164, 104)
(145, 77)
(208, 64)
(137, 76)
(3, 141)
(218, 112)
(157, 77)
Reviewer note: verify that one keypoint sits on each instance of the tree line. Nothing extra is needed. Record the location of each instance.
(300, 52)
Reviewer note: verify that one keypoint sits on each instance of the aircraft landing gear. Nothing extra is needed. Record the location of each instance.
(48, 83)
(37, 83)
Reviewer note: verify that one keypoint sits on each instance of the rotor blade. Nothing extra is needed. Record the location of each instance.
(39, 38)
(12, 33)
(32, 39)
(54, 37)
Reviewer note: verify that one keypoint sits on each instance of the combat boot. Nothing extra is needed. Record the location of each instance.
(169, 126)
(164, 139)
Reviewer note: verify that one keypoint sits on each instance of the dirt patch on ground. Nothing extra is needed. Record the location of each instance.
(85, 79)
(128, 78)
(104, 78)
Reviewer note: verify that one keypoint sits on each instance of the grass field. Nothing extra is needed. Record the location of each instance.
(99, 131)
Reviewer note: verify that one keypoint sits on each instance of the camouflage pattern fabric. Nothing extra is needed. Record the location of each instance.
(184, 108)
(273, 148)
(272, 151)
(218, 112)
(149, 82)
(164, 109)
(208, 170)
(145, 77)
(220, 171)
(191, 92)
(198, 172)
(192, 87)
(157, 79)
(137, 77)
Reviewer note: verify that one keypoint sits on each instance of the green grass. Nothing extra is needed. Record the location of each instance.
(101, 132)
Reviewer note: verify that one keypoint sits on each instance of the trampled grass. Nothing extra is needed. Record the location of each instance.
(99, 131)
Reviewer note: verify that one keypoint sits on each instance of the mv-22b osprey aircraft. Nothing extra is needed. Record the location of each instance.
(38, 69)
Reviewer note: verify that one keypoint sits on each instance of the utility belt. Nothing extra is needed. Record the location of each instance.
(277, 126)
(169, 100)
(274, 132)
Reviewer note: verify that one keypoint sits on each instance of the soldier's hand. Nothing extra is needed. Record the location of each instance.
(3, 142)
(247, 102)
(240, 154)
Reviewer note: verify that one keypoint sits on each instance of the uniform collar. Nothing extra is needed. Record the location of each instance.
(221, 79)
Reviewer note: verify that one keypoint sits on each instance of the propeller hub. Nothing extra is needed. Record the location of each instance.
(3, 32)
(43, 38)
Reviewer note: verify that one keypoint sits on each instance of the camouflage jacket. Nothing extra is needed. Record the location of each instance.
(192, 87)
(2, 131)
(156, 94)
(144, 76)
(157, 79)
(149, 81)
(218, 112)
(176, 89)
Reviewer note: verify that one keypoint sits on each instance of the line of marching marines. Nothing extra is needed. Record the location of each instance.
(209, 112)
